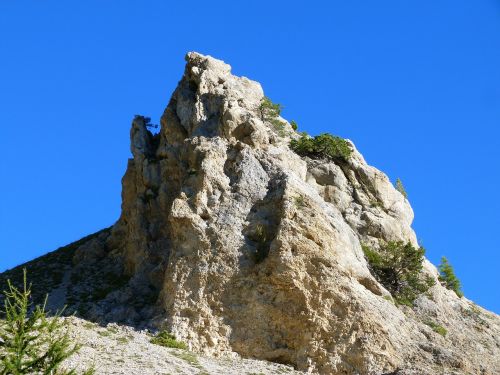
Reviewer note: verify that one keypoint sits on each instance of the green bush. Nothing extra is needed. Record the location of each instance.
(399, 187)
(398, 267)
(279, 126)
(269, 110)
(168, 340)
(31, 342)
(437, 328)
(294, 125)
(322, 146)
(260, 236)
(448, 278)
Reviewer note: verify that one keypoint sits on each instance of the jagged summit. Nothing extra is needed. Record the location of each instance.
(236, 244)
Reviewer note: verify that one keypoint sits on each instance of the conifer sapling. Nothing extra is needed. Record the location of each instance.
(30, 341)
(448, 278)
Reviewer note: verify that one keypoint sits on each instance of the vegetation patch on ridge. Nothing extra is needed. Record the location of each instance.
(399, 187)
(270, 112)
(323, 146)
(398, 267)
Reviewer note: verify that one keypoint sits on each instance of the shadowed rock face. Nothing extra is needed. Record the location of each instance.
(235, 243)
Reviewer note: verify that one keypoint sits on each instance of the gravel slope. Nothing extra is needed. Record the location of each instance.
(116, 349)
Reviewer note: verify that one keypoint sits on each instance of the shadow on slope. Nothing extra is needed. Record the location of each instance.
(86, 278)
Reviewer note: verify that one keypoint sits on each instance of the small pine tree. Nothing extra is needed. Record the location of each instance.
(269, 110)
(31, 342)
(401, 188)
(398, 266)
(448, 278)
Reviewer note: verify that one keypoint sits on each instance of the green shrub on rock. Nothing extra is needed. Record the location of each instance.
(399, 187)
(269, 110)
(448, 278)
(322, 146)
(279, 126)
(304, 146)
(436, 327)
(168, 340)
(398, 267)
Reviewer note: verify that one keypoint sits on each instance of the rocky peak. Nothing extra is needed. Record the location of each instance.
(234, 243)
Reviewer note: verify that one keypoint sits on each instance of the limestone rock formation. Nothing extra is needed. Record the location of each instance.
(234, 243)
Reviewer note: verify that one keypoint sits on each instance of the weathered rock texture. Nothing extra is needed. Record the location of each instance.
(236, 244)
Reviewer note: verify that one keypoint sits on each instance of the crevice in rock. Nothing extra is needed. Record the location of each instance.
(212, 108)
(264, 219)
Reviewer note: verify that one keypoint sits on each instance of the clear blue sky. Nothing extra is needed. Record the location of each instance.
(415, 84)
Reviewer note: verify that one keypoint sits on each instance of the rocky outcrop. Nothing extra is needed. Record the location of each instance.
(236, 244)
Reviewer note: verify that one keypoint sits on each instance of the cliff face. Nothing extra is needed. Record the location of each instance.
(236, 244)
